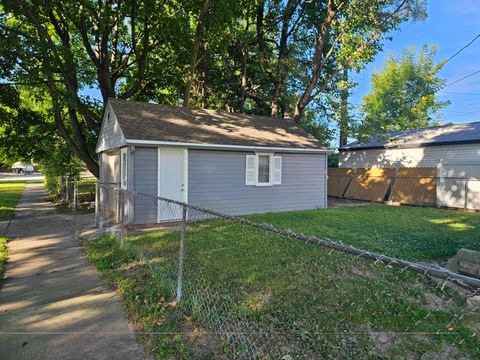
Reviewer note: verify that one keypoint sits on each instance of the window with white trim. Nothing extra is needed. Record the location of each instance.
(263, 169)
(123, 168)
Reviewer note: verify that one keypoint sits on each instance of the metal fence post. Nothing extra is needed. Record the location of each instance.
(181, 254)
(97, 222)
(116, 193)
(101, 206)
(75, 193)
(66, 190)
(121, 199)
(465, 204)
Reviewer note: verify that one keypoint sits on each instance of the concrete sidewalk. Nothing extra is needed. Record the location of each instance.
(53, 304)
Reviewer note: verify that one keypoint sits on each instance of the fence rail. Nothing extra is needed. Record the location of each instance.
(184, 245)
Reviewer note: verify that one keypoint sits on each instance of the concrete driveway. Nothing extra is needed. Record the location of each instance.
(53, 304)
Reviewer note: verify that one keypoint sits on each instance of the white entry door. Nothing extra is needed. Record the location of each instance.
(172, 182)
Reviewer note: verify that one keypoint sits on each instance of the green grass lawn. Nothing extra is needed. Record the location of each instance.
(407, 232)
(313, 303)
(26, 181)
(9, 195)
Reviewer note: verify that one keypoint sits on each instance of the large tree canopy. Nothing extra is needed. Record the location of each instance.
(267, 57)
(403, 93)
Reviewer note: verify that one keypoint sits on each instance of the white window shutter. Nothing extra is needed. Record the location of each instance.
(250, 170)
(277, 170)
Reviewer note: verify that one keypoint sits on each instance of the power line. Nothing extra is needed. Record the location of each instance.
(459, 51)
(461, 79)
(462, 113)
(450, 58)
(462, 93)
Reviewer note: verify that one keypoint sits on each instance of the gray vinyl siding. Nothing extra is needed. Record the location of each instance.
(111, 135)
(413, 157)
(217, 181)
(145, 180)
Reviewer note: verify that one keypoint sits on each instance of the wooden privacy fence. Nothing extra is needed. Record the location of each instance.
(416, 186)
(370, 184)
(338, 180)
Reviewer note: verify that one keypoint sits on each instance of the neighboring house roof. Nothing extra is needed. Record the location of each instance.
(456, 134)
(153, 123)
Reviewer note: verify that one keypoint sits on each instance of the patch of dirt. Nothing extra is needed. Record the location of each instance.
(136, 269)
(203, 344)
(436, 303)
(446, 351)
(363, 272)
(386, 341)
(259, 302)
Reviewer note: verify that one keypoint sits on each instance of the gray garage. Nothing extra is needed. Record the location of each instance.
(232, 163)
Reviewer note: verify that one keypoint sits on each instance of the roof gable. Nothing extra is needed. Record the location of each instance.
(153, 122)
(111, 135)
(467, 133)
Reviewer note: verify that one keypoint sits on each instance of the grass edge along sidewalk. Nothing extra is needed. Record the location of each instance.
(10, 193)
(401, 311)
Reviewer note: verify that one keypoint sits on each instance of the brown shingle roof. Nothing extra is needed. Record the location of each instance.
(154, 122)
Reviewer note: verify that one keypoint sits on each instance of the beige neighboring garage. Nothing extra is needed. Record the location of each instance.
(453, 149)
(427, 147)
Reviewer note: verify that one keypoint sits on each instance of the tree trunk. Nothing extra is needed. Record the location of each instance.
(196, 46)
(260, 31)
(305, 98)
(204, 91)
(275, 98)
(78, 147)
(243, 95)
(91, 164)
(344, 119)
(298, 112)
(281, 68)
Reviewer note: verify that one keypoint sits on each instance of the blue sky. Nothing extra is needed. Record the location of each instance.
(450, 25)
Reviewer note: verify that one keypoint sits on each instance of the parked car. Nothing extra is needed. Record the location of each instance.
(18, 167)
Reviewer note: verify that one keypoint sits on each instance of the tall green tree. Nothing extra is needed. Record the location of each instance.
(344, 33)
(293, 51)
(404, 93)
(24, 133)
(268, 57)
(68, 46)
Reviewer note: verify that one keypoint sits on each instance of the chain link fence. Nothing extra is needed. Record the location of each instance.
(77, 192)
(269, 293)
(459, 193)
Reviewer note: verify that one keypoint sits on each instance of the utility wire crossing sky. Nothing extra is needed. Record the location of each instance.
(453, 26)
